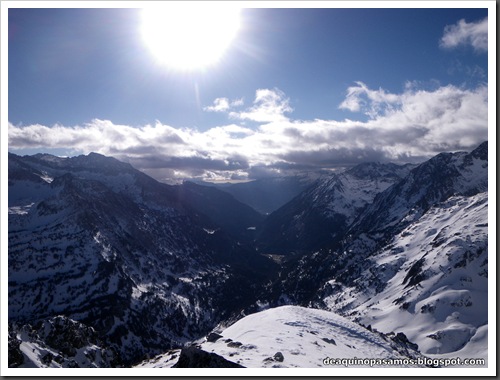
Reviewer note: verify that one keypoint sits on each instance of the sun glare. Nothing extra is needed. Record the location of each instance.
(189, 37)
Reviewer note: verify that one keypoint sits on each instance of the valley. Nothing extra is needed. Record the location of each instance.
(377, 257)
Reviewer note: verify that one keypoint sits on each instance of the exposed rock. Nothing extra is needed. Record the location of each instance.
(213, 337)
(278, 356)
(16, 357)
(66, 335)
(401, 338)
(60, 342)
(329, 340)
(192, 357)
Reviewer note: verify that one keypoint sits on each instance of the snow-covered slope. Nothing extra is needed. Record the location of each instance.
(415, 261)
(430, 282)
(433, 181)
(320, 215)
(293, 336)
(399, 249)
(95, 240)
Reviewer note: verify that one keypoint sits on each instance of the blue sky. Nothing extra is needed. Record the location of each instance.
(296, 89)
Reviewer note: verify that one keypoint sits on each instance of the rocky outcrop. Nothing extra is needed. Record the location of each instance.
(192, 357)
(59, 342)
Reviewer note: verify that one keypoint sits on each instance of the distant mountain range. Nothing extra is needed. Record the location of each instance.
(138, 267)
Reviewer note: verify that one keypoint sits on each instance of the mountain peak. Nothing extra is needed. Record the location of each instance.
(377, 170)
(104, 162)
(50, 158)
(481, 152)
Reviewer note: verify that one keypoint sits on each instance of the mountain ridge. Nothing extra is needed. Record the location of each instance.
(152, 267)
(121, 253)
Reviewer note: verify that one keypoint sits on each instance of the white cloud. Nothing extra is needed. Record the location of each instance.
(223, 105)
(269, 106)
(98, 136)
(370, 102)
(422, 122)
(407, 126)
(220, 105)
(463, 33)
(237, 102)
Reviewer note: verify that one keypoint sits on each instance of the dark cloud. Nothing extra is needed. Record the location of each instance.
(189, 163)
(332, 158)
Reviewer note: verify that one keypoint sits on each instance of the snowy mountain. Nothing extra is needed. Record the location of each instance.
(430, 281)
(298, 337)
(95, 240)
(321, 214)
(135, 268)
(415, 260)
(433, 181)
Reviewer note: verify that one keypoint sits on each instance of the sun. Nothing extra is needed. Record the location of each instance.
(191, 35)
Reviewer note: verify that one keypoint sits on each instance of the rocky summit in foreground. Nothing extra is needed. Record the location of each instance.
(293, 336)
